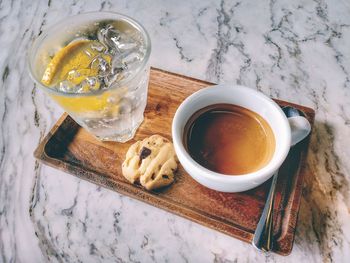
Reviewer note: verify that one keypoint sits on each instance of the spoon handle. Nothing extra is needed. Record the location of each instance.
(263, 236)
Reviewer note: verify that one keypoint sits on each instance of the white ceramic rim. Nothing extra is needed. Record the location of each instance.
(187, 161)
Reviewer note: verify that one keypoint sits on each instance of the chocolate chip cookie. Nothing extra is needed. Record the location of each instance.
(151, 162)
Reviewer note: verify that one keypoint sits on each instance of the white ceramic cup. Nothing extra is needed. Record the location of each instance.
(252, 100)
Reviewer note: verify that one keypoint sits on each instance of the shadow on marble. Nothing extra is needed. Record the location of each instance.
(319, 222)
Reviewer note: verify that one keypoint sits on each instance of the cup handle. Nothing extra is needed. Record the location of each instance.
(300, 128)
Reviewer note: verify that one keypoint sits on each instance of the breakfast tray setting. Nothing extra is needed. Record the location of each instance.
(70, 148)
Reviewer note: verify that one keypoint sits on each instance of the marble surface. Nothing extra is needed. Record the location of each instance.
(292, 50)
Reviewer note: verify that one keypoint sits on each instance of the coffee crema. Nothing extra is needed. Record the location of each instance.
(229, 139)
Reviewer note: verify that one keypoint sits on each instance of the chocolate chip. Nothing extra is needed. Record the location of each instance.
(153, 176)
(165, 176)
(144, 153)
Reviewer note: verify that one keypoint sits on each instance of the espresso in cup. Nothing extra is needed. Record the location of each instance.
(285, 133)
(229, 139)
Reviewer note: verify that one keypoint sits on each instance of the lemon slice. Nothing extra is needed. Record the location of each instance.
(73, 63)
(76, 58)
(79, 105)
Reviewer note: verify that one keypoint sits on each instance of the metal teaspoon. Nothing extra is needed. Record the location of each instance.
(263, 235)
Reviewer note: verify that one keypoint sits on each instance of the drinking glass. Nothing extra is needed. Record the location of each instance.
(113, 113)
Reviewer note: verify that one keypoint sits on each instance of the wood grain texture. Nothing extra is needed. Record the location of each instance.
(70, 148)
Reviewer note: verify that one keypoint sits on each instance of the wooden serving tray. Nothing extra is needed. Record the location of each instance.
(70, 148)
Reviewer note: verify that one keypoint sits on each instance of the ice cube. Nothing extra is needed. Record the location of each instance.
(93, 83)
(101, 64)
(73, 74)
(109, 37)
(127, 46)
(98, 47)
(89, 84)
(112, 78)
(117, 64)
(66, 86)
(132, 58)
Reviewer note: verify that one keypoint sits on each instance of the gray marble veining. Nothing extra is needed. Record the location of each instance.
(292, 50)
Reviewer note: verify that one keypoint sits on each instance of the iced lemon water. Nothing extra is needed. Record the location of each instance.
(99, 75)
